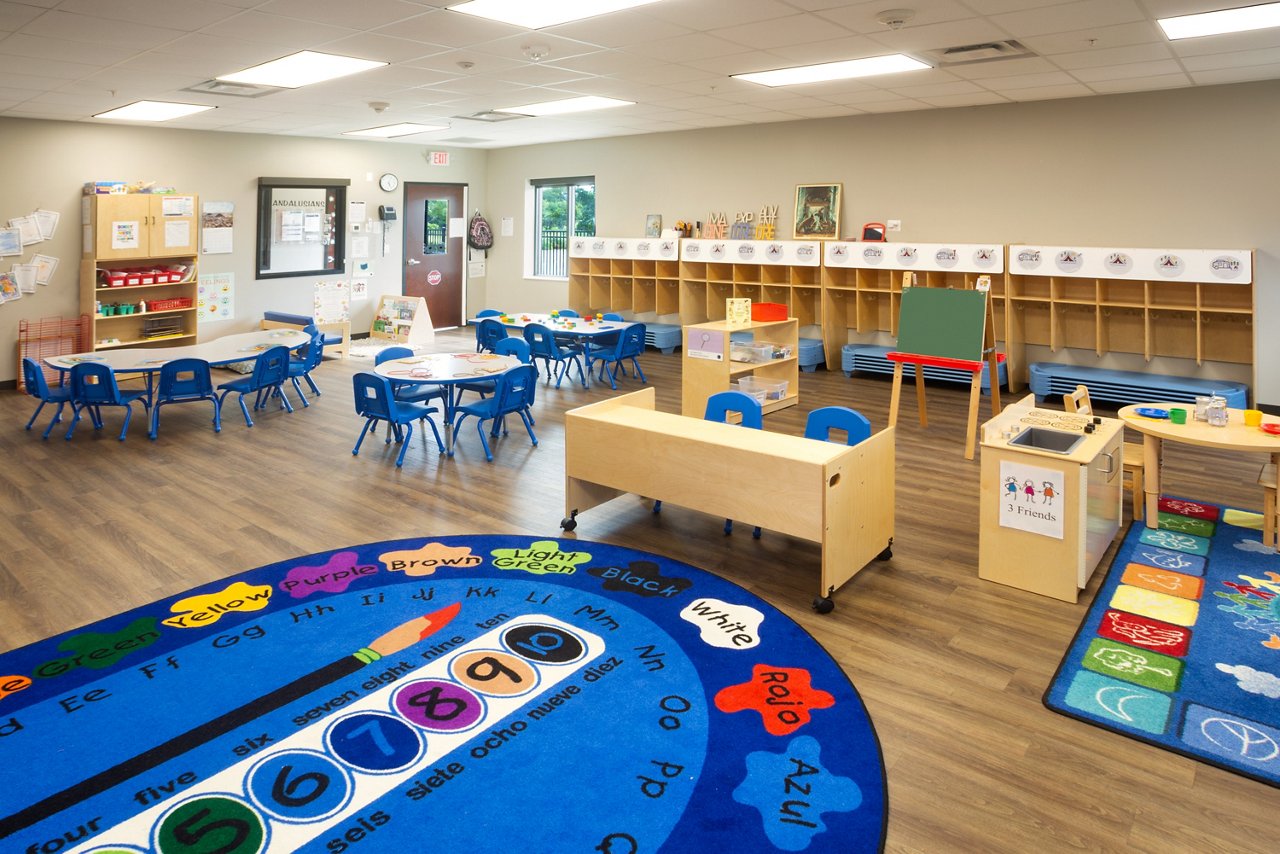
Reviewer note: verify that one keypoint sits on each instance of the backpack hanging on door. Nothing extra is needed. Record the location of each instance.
(479, 235)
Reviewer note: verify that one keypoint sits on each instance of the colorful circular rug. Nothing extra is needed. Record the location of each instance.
(458, 694)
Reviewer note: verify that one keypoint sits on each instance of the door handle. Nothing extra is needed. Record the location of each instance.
(1111, 463)
(414, 262)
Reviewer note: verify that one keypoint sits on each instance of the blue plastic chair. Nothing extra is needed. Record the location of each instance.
(488, 312)
(375, 402)
(719, 405)
(827, 418)
(93, 386)
(630, 345)
(270, 373)
(613, 315)
(544, 345)
(488, 333)
(508, 346)
(568, 312)
(307, 361)
(513, 395)
(38, 387)
(184, 381)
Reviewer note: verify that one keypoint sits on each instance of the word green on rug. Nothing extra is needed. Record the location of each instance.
(1181, 646)
(473, 693)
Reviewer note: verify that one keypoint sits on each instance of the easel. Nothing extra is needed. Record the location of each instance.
(929, 350)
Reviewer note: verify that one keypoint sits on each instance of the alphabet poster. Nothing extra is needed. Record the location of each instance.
(1031, 498)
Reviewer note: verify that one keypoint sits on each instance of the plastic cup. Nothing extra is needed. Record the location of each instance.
(1253, 417)
(1178, 416)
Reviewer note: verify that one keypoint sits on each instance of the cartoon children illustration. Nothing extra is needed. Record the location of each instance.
(1047, 493)
(1030, 489)
(1011, 486)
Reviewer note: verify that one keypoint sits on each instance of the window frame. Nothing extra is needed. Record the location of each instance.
(536, 233)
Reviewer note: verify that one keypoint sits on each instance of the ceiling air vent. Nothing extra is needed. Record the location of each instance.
(491, 116)
(984, 52)
(234, 90)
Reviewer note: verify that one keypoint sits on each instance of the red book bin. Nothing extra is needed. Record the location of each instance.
(762, 311)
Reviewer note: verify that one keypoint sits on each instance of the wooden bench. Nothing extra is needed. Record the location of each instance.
(839, 496)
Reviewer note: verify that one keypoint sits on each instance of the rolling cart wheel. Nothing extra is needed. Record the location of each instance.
(570, 522)
(823, 604)
(887, 553)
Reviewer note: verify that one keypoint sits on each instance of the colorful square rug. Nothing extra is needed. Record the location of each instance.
(459, 694)
(1181, 646)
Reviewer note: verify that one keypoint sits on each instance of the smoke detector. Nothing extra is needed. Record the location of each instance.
(536, 52)
(379, 107)
(895, 19)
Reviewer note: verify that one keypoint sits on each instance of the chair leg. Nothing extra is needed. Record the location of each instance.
(488, 454)
(75, 419)
(298, 388)
(657, 507)
(217, 414)
(155, 423)
(434, 431)
(728, 527)
(35, 414)
(315, 389)
(639, 372)
(57, 417)
(128, 416)
(404, 446)
(245, 409)
(368, 422)
(284, 398)
(528, 427)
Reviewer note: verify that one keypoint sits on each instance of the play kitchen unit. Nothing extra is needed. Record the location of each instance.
(1051, 498)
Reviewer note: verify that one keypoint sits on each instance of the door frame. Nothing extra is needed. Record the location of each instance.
(466, 248)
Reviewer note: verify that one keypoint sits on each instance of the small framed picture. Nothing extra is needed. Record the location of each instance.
(817, 211)
(653, 225)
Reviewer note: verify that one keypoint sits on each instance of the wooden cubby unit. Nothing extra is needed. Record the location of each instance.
(149, 241)
(1194, 304)
(703, 377)
(634, 277)
(862, 284)
(785, 272)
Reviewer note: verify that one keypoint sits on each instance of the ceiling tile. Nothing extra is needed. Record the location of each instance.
(1111, 56)
(683, 48)
(975, 99)
(1140, 84)
(42, 67)
(15, 15)
(1002, 68)
(1026, 81)
(186, 15)
(286, 35)
(451, 28)
(707, 15)
(619, 29)
(1095, 38)
(777, 32)
(938, 36)
(1215, 76)
(1128, 71)
(362, 15)
(865, 17)
(1045, 93)
(383, 48)
(1064, 17)
(24, 44)
(1241, 59)
(94, 30)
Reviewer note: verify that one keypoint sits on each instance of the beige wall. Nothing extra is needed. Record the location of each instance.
(1179, 169)
(44, 165)
(1189, 168)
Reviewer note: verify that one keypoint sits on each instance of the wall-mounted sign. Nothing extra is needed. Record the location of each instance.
(438, 158)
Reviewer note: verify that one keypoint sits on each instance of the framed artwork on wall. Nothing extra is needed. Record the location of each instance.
(653, 225)
(817, 211)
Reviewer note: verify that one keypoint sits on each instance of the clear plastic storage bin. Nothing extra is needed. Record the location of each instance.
(772, 389)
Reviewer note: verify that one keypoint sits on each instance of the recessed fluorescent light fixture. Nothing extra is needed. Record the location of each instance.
(568, 105)
(536, 14)
(152, 111)
(300, 69)
(868, 67)
(1224, 21)
(388, 131)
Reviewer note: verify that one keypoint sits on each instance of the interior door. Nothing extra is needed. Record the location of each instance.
(434, 259)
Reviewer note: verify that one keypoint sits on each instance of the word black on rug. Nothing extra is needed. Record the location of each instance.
(1181, 646)
(449, 694)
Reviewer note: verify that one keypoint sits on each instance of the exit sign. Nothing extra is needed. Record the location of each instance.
(439, 158)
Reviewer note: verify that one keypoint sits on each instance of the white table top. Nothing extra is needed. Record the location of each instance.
(583, 326)
(446, 368)
(220, 351)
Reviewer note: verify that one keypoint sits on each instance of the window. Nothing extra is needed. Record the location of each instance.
(562, 207)
(301, 222)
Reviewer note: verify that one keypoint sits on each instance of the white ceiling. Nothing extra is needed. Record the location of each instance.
(69, 59)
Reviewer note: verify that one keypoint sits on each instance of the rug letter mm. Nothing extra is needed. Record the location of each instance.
(462, 693)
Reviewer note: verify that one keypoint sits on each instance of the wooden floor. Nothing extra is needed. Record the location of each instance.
(951, 668)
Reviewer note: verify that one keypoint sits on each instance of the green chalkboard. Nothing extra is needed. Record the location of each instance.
(945, 322)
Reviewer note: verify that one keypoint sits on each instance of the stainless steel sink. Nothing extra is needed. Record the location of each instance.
(1043, 439)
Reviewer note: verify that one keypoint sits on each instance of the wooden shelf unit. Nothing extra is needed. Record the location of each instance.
(786, 272)
(701, 378)
(402, 320)
(862, 284)
(1181, 303)
(634, 277)
(130, 232)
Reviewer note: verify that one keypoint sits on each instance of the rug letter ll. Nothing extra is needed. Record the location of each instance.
(476, 693)
(1181, 646)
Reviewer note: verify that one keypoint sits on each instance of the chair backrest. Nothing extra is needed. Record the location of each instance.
(632, 342)
(488, 333)
(185, 378)
(94, 383)
(720, 404)
(33, 378)
(373, 396)
(822, 421)
(313, 350)
(542, 343)
(1078, 401)
(489, 312)
(517, 347)
(568, 312)
(614, 316)
(516, 389)
(272, 367)
(386, 354)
